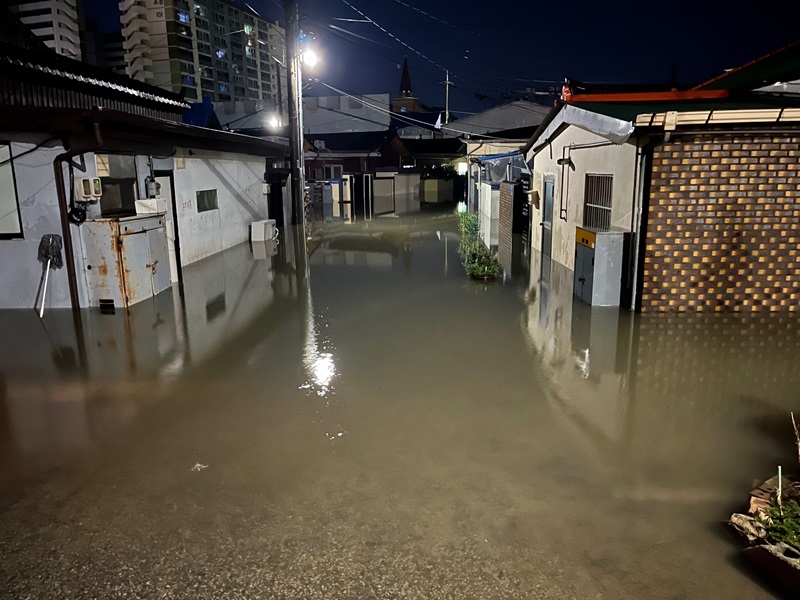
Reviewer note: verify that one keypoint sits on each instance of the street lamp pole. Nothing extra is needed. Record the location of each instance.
(294, 93)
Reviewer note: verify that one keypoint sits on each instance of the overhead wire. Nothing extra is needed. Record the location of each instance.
(435, 18)
(404, 118)
(394, 37)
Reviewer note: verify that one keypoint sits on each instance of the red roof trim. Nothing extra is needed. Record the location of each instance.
(651, 96)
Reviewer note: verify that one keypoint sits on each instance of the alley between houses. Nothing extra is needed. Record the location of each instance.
(369, 423)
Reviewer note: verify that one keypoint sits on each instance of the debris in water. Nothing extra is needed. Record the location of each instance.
(485, 540)
(199, 467)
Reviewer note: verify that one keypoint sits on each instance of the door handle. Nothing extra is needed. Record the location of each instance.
(582, 279)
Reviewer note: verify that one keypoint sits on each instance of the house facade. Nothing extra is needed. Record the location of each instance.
(166, 194)
(705, 198)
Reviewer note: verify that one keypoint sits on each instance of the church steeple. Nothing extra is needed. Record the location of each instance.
(405, 82)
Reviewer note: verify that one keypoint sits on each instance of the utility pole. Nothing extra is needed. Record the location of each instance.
(293, 93)
(447, 83)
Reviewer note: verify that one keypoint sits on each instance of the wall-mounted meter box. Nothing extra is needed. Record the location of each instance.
(90, 188)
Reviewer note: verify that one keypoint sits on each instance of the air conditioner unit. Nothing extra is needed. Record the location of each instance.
(90, 189)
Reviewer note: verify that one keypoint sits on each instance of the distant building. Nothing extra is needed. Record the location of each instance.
(55, 22)
(214, 48)
(343, 114)
(406, 103)
(104, 50)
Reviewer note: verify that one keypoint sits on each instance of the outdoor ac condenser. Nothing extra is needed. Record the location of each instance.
(261, 231)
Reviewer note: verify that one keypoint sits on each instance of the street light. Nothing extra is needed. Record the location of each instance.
(310, 57)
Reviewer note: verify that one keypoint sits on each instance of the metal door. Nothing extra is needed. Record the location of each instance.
(547, 218)
(383, 202)
(159, 260)
(367, 196)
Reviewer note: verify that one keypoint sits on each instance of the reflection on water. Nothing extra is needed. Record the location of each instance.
(377, 425)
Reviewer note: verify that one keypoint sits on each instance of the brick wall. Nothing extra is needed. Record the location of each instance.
(724, 224)
(506, 223)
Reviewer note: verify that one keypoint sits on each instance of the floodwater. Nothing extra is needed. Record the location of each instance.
(368, 423)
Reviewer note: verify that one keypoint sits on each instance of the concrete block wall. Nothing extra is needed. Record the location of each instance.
(237, 179)
(723, 224)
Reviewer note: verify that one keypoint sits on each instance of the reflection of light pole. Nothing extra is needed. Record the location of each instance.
(295, 106)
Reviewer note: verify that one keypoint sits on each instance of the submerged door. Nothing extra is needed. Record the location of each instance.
(547, 217)
(168, 193)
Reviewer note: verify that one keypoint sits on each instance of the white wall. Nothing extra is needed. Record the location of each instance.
(20, 271)
(238, 181)
(340, 114)
(619, 161)
(489, 210)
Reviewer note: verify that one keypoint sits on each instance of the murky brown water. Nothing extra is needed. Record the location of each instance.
(391, 430)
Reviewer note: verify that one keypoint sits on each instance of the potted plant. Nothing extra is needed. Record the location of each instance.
(481, 263)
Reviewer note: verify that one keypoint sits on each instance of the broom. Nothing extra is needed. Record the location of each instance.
(50, 256)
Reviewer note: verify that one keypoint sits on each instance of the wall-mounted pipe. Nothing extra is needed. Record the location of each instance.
(566, 161)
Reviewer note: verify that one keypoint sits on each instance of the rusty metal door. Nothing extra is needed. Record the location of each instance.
(136, 267)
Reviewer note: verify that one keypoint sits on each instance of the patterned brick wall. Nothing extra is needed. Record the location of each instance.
(506, 224)
(724, 224)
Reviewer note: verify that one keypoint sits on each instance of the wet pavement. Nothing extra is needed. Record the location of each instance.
(371, 424)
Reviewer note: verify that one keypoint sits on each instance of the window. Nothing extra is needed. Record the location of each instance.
(189, 80)
(597, 202)
(10, 223)
(206, 200)
(183, 17)
(224, 88)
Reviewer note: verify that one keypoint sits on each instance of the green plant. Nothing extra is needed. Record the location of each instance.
(469, 223)
(783, 524)
(468, 244)
(479, 261)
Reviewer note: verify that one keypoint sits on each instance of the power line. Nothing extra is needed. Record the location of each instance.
(394, 37)
(427, 14)
(405, 119)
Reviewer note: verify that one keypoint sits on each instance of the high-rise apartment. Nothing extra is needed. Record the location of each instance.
(55, 22)
(214, 48)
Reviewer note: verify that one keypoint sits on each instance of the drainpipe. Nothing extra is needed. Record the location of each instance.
(63, 202)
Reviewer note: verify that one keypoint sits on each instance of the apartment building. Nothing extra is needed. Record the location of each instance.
(55, 22)
(214, 48)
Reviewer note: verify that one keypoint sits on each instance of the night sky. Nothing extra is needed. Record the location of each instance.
(496, 49)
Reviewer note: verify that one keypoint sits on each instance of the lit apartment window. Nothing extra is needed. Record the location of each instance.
(224, 88)
(183, 17)
(597, 201)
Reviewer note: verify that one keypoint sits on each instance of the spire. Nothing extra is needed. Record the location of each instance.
(405, 82)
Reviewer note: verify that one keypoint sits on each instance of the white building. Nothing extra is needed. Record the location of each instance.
(214, 48)
(55, 22)
(343, 114)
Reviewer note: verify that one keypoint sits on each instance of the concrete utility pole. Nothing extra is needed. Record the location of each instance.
(293, 93)
(447, 83)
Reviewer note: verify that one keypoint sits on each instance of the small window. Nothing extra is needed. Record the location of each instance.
(184, 18)
(597, 202)
(10, 223)
(207, 200)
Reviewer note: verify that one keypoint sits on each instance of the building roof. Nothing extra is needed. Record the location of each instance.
(122, 131)
(442, 147)
(33, 75)
(782, 64)
(358, 143)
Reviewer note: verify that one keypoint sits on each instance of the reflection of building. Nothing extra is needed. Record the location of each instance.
(704, 178)
(55, 22)
(214, 48)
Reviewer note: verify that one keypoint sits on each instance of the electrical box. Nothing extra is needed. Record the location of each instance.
(90, 189)
(600, 265)
(151, 206)
(261, 231)
(126, 259)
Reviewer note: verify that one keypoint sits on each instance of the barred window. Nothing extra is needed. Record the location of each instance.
(597, 202)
